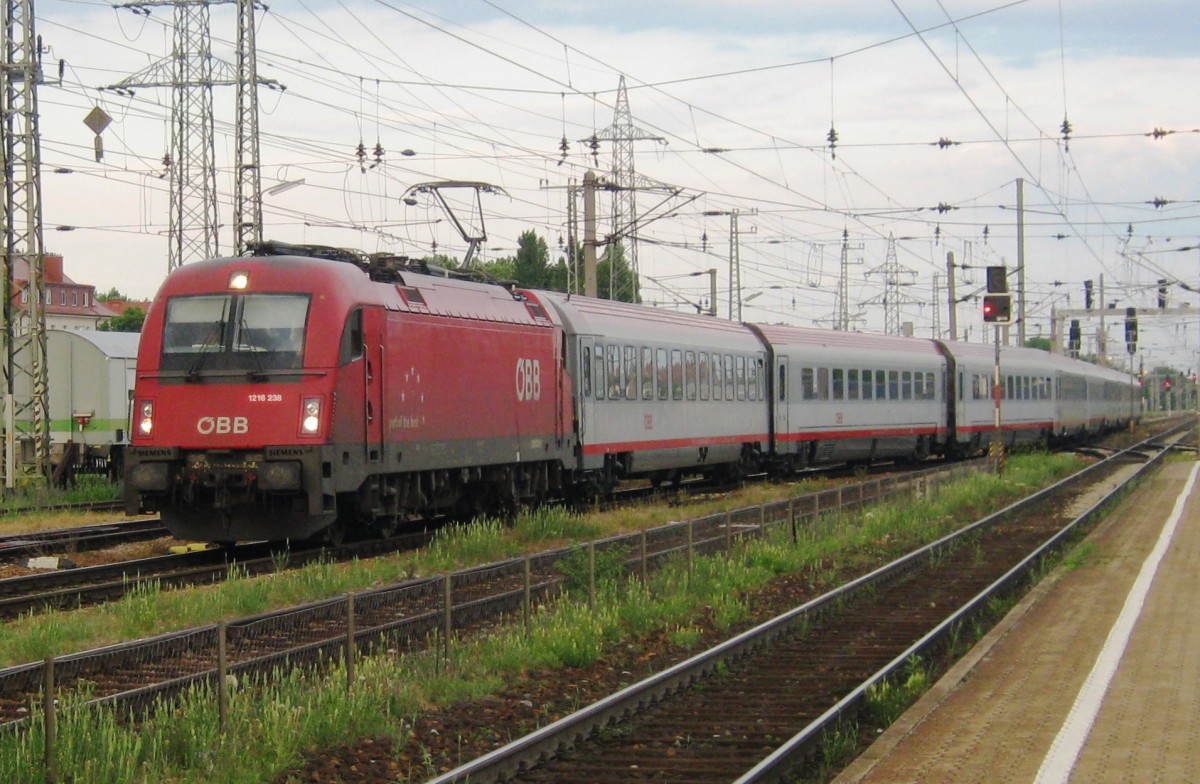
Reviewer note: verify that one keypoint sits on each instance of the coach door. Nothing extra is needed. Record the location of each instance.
(779, 397)
(584, 391)
(373, 337)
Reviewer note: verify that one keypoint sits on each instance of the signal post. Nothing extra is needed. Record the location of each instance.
(997, 310)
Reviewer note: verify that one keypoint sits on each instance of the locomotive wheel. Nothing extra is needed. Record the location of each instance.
(334, 535)
(386, 526)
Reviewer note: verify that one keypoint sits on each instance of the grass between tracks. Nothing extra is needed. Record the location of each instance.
(273, 722)
(15, 519)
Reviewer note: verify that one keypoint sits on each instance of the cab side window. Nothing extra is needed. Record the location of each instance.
(353, 342)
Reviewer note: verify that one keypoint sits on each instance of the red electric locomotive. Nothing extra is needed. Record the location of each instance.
(283, 396)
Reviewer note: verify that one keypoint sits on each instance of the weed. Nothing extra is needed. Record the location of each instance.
(1079, 556)
(889, 698)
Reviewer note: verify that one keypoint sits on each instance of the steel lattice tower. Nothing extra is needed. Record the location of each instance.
(892, 297)
(26, 411)
(191, 72)
(841, 314)
(623, 133)
(247, 207)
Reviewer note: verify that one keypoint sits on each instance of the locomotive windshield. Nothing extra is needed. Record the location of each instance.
(254, 333)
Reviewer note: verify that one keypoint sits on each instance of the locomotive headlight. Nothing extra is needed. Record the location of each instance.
(145, 423)
(239, 280)
(310, 416)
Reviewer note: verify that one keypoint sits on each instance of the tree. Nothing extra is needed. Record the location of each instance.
(110, 294)
(615, 275)
(1042, 343)
(129, 321)
(532, 264)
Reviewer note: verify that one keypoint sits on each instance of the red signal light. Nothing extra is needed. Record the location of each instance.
(997, 308)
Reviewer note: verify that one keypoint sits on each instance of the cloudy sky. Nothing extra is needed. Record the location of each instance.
(939, 108)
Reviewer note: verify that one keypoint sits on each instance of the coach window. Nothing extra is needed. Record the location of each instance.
(753, 380)
(630, 373)
(614, 372)
(730, 379)
(689, 375)
(586, 364)
(852, 384)
(676, 374)
(704, 375)
(822, 383)
(647, 373)
(868, 384)
(660, 373)
(808, 384)
(740, 365)
(893, 385)
(598, 374)
(839, 384)
(918, 386)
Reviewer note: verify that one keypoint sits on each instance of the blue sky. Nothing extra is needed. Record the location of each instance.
(412, 76)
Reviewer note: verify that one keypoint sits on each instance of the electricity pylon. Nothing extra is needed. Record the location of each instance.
(26, 410)
(191, 72)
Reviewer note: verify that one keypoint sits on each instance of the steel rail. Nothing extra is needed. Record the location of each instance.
(546, 742)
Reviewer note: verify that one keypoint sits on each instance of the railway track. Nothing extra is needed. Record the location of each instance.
(79, 587)
(403, 616)
(758, 707)
(79, 538)
(74, 506)
(73, 588)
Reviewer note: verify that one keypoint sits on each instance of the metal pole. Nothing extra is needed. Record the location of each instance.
(222, 676)
(950, 295)
(997, 450)
(351, 648)
(49, 706)
(590, 281)
(528, 599)
(1021, 261)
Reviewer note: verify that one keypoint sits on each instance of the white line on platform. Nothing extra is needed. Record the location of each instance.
(1060, 760)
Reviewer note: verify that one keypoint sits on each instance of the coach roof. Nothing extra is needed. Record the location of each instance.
(639, 323)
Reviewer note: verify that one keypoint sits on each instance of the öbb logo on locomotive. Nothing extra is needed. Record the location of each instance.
(207, 425)
(529, 379)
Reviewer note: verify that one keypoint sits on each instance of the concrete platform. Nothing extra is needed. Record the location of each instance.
(1094, 677)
